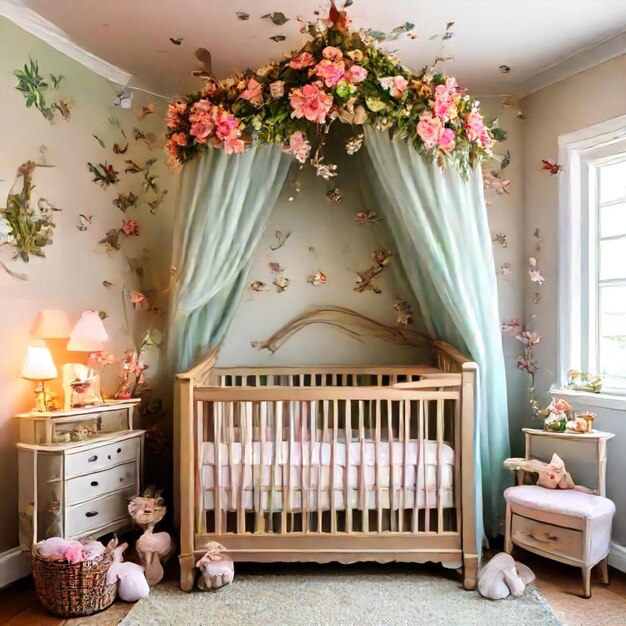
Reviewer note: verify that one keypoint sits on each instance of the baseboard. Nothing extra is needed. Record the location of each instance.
(13, 566)
(617, 557)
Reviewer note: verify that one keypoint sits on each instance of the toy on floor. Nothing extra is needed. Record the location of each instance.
(132, 583)
(147, 511)
(71, 550)
(216, 570)
(502, 576)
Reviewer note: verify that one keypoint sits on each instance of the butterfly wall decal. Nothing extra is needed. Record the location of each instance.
(84, 222)
(553, 168)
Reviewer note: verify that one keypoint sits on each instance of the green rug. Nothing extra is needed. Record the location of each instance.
(333, 595)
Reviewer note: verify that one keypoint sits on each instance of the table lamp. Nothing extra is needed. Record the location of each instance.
(80, 383)
(39, 366)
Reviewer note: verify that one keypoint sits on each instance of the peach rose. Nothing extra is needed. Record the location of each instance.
(304, 59)
(476, 130)
(253, 93)
(331, 53)
(311, 103)
(331, 73)
(298, 146)
(429, 128)
(356, 74)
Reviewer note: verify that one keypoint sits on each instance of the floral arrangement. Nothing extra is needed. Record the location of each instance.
(24, 228)
(556, 415)
(338, 75)
(583, 381)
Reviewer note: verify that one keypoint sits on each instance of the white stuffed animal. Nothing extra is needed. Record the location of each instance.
(502, 576)
(132, 583)
(216, 569)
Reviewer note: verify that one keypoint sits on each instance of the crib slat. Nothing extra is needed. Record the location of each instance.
(290, 490)
(200, 437)
(457, 463)
(320, 467)
(302, 407)
(415, 516)
(333, 468)
(348, 489)
(377, 445)
(362, 486)
(392, 470)
(217, 438)
(439, 465)
(425, 467)
(402, 435)
(260, 513)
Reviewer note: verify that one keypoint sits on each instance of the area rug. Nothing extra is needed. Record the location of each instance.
(333, 595)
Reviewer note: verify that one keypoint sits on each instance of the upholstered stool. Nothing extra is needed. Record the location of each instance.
(565, 525)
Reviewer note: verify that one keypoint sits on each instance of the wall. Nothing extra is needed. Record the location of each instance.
(592, 96)
(72, 274)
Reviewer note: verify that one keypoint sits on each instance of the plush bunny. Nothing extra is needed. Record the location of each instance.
(551, 475)
(216, 570)
(502, 576)
(152, 548)
(132, 583)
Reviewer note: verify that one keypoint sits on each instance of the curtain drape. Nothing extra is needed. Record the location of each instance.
(223, 209)
(439, 226)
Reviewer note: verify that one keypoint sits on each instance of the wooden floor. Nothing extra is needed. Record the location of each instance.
(559, 584)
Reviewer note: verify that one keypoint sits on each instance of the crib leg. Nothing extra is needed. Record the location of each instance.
(470, 571)
(187, 576)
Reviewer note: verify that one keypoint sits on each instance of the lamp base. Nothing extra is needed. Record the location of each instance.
(45, 400)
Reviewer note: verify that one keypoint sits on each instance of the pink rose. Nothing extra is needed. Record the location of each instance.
(253, 93)
(331, 53)
(331, 73)
(277, 89)
(233, 145)
(446, 139)
(298, 146)
(356, 74)
(395, 85)
(476, 131)
(428, 129)
(444, 106)
(202, 106)
(225, 124)
(311, 103)
(202, 129)
(304, 59)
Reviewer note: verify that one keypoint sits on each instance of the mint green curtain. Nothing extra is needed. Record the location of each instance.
(438, 222)
(224, 206)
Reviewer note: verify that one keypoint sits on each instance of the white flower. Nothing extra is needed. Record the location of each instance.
(5, 229)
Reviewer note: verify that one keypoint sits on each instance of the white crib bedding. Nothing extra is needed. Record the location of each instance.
(369, 485)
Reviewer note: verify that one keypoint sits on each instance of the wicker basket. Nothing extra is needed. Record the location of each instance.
(72, 590)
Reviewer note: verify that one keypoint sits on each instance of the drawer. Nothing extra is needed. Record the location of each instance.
(555, 540)
(101, 457)
(100, 483)
(85, 517)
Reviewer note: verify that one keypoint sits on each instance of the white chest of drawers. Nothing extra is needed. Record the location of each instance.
(79, 488)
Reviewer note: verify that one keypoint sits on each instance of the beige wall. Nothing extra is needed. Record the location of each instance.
(592, 96)
(71, 275)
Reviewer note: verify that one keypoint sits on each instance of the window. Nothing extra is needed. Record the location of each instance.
(592, 264)
(609, 206)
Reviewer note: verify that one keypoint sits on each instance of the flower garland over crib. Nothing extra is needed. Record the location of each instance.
(337, 75)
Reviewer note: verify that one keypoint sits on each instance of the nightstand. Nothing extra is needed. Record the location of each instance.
(565, 525)
(77, 470)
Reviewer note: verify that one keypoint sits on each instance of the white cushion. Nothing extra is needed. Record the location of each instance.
(565, 502)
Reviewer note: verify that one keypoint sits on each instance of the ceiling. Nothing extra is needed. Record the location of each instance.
(529, 36)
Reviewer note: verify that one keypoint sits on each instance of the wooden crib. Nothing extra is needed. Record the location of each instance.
(329, 463)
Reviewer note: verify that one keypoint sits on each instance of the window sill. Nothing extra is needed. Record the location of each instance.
(589, 400)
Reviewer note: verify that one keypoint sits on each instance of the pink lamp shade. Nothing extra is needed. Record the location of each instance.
(39, 364)
(88, 334)
(51, 324)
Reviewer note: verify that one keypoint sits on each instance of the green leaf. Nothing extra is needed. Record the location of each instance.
(278, 18)
(375, 104)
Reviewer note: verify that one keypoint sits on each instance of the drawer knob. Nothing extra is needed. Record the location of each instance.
(92, 459)
(94, 483)
(119, 450)
(91, 513)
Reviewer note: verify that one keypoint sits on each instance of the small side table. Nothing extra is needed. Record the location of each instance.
(584, 454)
(564, 525)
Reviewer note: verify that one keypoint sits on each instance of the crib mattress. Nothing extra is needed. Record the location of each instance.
(305, 477)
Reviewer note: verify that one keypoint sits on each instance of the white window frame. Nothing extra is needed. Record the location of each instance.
(580, 152)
